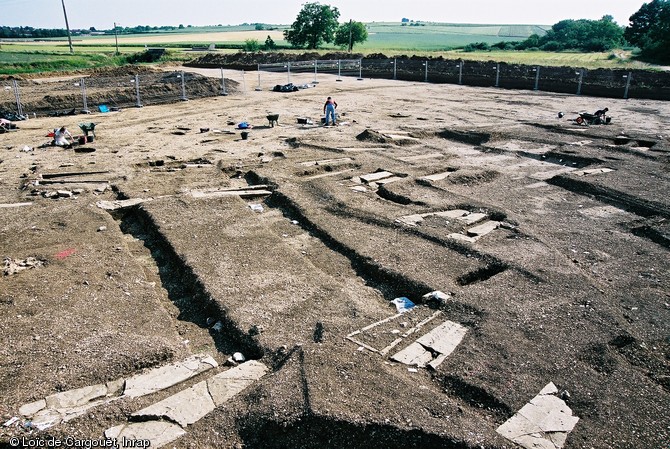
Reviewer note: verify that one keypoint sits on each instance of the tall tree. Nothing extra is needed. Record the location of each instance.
(315, 24)
(642, 21)
(351, 33)
(649, 29)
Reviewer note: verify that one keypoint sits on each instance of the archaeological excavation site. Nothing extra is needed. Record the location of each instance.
(447, 267)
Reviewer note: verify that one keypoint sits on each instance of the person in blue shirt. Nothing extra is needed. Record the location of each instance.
(329, 109)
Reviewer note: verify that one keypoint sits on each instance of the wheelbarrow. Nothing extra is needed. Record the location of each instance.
(88, 128)
(592, 119)
(273, 119)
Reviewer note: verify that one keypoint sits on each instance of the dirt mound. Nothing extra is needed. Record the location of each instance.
(370, 135)
(251, 60)
(472, 177)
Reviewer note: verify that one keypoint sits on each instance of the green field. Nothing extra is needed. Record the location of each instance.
(426, 39)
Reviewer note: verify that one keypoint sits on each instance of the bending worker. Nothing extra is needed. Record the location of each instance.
(329, 109)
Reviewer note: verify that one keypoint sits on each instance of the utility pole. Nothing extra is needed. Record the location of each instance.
(351, 45)
(116, 38)
(67, 25)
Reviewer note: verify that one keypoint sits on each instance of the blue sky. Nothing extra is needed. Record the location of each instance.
(103, 13)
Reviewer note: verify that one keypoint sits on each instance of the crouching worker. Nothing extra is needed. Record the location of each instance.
(61, 137)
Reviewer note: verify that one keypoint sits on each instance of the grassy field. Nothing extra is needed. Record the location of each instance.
(429, 39)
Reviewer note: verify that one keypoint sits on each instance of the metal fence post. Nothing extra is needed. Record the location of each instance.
(628, 78)
(426, 64)
(83, 95)
(259, 88)
(17, 96)
(395, 68)
(339, 70)
(581, 77)
(537, 78)
(183, 87)
(497, 74)
(460, 73)
(244, 82)
(360, 70)
(289, 72)
(315, 81)
(223, 84)
(138, 103)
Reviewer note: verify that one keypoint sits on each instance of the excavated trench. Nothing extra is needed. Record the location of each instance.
(195, 305)
(323, 432)
(183, 287)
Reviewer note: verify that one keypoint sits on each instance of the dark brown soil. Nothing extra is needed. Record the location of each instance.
(571, 288)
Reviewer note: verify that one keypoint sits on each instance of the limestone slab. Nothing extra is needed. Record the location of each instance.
(456, 213)
(437, 176)
(227, 384)
(329, 174)
(159, 433)
(166, 376)
(340, 160)
(472, 218)
(33, 407)
(411, 220)
(483, 229)
(76, 398)
(186, 407)
(372, 177)
(414, 355)
(544, 422)
(444, 338)
(388, 180)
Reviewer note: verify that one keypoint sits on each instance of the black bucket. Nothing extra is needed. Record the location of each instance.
(90, 139)
(244, 135)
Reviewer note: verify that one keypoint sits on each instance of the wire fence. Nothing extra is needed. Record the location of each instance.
(617, 83)
(100, 92)
(121, 88)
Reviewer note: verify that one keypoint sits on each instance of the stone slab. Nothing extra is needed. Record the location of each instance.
(166, 376)
(544, 422)
(436, 176)
(159, 433)
(340, 160)
(414, 355)
(227, 384)
(456, 213)
(444, 338)
(472, 218)
(593, 171)
(388, 180)
(46, 418)
(462, 238)
(76, 398)
(186, 407)
(411, 220)
(483, 229)
(329, 174)
(33, 407)
(121, 204)
(372, 177)
(8, 205)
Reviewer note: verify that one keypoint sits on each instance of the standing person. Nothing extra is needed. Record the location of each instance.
(61, 136)
(329, 109)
